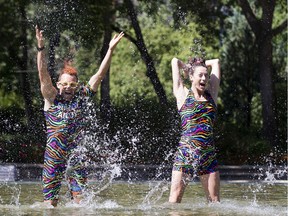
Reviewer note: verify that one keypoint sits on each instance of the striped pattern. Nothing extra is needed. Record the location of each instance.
(65, 120)
(196, 151)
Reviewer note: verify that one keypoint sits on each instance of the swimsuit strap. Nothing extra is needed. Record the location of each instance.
(209, 98)
(206, 93)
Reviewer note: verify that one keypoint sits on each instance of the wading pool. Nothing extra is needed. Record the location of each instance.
(147, 198)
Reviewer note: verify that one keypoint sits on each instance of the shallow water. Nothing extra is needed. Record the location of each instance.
(147, 198)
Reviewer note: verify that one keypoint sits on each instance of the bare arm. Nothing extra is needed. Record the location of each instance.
(214, 77)
(47, 89)
(96, 79)
(179, 89)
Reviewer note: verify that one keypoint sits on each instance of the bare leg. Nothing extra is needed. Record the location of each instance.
(52, 202)
(178, 185)
(211, 185)
(76, 196)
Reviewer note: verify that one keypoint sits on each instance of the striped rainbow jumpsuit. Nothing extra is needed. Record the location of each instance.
(196, 154)
(64, 121)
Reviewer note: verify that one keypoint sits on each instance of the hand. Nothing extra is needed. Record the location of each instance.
(115, 40)
(185, 67)
(211, 62)
(39, 36)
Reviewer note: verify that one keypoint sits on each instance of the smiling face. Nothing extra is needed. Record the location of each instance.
(67, 86)
(199, 78)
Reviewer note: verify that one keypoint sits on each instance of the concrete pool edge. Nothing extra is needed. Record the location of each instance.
(32, 172)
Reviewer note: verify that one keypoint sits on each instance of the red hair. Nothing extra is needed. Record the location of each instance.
(69, 70)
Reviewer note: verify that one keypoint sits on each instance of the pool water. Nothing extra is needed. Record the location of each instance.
(147, 198)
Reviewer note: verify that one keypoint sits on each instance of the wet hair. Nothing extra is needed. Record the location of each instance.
(196, 61)
(69, 70)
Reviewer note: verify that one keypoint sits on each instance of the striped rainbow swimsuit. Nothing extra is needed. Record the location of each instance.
(196, 154)
(65, 120)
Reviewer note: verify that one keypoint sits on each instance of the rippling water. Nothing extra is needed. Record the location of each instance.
(147, 198)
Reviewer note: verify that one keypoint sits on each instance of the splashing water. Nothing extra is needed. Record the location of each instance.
(142, 198)
(271, 173)
(104, 155)
(197, 49)
(155, 193)
(14, 190)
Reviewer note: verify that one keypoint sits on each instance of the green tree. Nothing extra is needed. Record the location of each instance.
(264, 31)
(261, 18)
(241, 121)
(141, 46)
(239, 70)
(15, 53)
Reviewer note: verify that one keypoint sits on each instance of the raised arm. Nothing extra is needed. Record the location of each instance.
(178, 83)
(47, 89)
(96, 79)
(214, 77)
(179, 89)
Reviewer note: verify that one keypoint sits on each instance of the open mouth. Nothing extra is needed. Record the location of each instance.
(68, 93)
(202, 85)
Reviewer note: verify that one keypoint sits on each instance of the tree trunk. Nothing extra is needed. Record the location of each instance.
(267, 90)
(250, 73)
(24, 78)
(105, 102)
(151, 71)
(262, 29)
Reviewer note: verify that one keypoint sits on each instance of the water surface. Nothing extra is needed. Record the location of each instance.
(147, 198)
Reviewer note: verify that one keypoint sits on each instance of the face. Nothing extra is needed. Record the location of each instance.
(199, 78)
(67, 86)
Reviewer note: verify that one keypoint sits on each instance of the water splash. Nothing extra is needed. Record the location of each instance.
(271, 172)
(197, 49)
(14, 190)
(266, 176)
(155, 193)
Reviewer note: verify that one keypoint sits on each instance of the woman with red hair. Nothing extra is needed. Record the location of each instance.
(64, 110)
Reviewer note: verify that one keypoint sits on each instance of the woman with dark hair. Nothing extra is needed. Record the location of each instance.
(64, 110)
(195, 155)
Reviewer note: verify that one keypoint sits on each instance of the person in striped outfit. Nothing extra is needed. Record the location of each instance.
(64, 110)
(197, 106)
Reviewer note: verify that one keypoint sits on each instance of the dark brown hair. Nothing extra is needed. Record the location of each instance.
(196, 61)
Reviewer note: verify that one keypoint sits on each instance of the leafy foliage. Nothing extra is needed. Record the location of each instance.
(144, 129)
